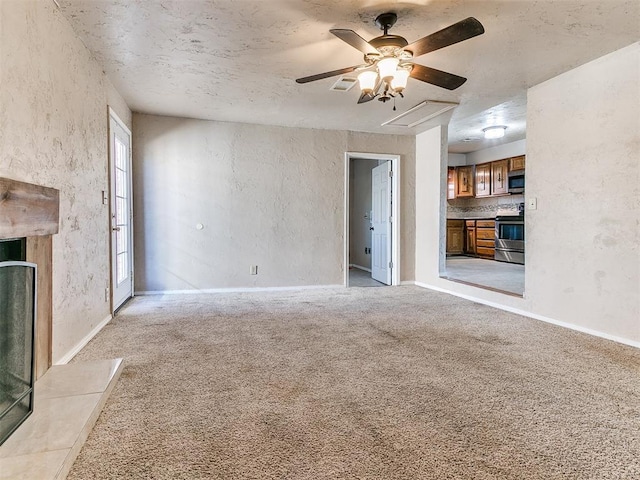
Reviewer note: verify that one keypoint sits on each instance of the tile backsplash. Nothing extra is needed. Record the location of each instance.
(482, 207)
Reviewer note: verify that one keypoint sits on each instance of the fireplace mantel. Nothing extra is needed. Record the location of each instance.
(27, 210)
(32, 211)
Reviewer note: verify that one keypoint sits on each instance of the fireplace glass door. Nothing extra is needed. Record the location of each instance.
(17, 322)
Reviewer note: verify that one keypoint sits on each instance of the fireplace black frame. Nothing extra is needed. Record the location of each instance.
(8, 425)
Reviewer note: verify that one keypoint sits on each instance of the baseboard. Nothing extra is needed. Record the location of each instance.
(81, 344)
(360, 267)
(535, 316)
(407, 282)
(236, 290)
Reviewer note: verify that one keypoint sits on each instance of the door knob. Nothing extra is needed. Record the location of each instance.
(371, 228)
(116, 229)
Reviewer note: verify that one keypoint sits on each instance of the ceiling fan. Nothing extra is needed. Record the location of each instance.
(388, 58)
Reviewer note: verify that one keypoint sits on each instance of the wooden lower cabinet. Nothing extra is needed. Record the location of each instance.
(485, 238)
(479, 238)
(470, 237)
(455, 237)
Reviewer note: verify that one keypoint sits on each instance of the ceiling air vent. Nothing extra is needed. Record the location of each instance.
(344, 84)
(420, 113)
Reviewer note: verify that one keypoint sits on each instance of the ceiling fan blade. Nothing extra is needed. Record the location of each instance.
(333, 73)
(463, 30)
(367, 97)
(436, 77)
(355, 40)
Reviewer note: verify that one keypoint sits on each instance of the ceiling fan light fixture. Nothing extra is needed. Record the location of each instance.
(399, 82)
(496, 131)
(387, 68)
(368, 80)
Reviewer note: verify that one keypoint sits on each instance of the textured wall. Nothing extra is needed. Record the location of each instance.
(53, 132)
(266, 196)
(583, 165)
(583, 241)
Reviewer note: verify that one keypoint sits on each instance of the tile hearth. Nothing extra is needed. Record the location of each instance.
(68, 401)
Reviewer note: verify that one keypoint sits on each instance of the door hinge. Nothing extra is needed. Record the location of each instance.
(390, 173)
(390, 219)
(390, 264)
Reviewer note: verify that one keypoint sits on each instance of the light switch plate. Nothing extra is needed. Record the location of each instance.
(532, 203)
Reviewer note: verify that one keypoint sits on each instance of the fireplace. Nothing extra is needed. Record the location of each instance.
(28, 220)
(17, 334)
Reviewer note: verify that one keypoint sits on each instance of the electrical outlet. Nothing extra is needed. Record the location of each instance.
(532, 203)
(254, 270)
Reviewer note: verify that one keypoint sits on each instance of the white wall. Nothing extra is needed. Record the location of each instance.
(506, 150)
(431, 184)
(53, 132)
(267, 196)
(583, 242)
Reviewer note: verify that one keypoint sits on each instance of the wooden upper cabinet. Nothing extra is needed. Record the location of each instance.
(464, 187)
(499, 181)
(516, 163)
(452, 182)
(483, 180)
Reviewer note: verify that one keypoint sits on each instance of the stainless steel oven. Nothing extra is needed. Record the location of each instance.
(510, 239)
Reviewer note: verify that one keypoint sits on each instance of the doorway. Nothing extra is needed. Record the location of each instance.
(121, 212)
(372, 242)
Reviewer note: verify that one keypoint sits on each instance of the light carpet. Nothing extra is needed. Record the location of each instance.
(359, 383)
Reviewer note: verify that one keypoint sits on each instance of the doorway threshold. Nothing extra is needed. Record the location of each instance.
(484, 287)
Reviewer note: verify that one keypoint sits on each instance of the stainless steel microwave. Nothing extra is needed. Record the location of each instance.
(516, 181)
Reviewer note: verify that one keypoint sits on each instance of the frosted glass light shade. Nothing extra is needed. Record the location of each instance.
(367, 80)
(399, 81)
(494, 132)
(387, 67)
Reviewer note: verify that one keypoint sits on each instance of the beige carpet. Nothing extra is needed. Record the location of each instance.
(360, 383)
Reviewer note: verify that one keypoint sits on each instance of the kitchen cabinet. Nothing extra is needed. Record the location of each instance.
(485, 238)
(470, 237)
(464, 175)
(483, 180)
(480, 238)
(455, 237)
(452, 182)
(516, 163)
(499, 180)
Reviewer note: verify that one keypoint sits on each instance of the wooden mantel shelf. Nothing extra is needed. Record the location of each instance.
(27, 210)
(32, 211)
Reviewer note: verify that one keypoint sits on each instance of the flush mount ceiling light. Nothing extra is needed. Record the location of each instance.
(388, 59)
(497, 131)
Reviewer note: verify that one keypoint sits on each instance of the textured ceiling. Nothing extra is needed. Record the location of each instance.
(236, 60)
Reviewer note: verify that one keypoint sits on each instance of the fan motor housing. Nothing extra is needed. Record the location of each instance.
(388, 41)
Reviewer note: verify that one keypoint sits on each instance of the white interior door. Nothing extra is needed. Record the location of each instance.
(121, 212)
(381, 223)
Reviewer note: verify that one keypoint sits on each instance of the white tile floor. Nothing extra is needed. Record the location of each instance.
(362, 278)
(505, 277)
(68, 400)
